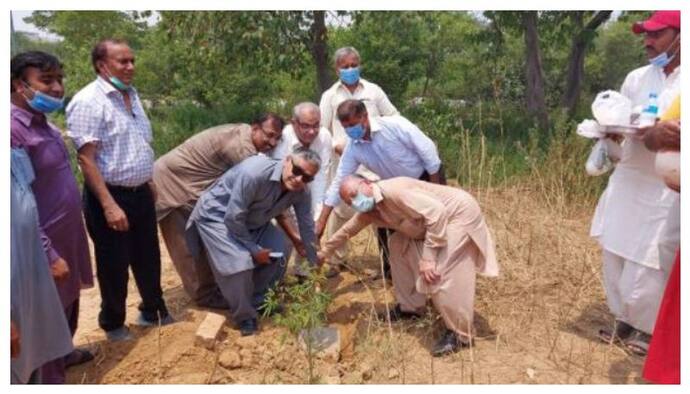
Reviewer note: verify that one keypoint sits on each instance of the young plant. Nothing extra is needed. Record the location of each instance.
(305, 307)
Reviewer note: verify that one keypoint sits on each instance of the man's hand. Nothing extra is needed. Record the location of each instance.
(664, 135)
(60, 270)
(320, 258)
(14, 341)
(116, 218)
(427, 270)
(262, 256)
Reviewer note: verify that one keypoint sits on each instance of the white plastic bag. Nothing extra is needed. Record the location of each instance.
(598, 162)
(611, 108)
(589, 128)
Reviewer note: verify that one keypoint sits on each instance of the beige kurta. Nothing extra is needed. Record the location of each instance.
(437, 223)
(180, 176)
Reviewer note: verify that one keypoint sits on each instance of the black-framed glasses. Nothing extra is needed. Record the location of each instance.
(298, 171)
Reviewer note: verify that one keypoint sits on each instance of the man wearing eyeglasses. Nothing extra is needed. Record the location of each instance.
(233, 221)
(305, 131)
(181, 175)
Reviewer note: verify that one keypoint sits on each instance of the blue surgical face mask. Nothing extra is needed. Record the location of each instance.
(362, 203)
(349, 76)
(43, 102)
(355, 132)
(663, 59)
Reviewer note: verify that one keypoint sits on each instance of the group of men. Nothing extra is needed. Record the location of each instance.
(232, 202)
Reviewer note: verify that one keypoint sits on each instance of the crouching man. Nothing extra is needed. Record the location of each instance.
(440, 241)
(233, 220)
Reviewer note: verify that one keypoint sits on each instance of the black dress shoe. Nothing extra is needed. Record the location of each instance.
(449, 343)
(215, 301)
(398, 314)
(248, 327)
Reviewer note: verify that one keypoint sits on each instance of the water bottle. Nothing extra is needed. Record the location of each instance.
(648, 115)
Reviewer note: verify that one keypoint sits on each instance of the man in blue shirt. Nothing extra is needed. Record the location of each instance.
(389, 146)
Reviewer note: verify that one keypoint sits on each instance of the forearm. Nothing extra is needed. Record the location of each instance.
(95, 182)
(287, 227)
(435, 178)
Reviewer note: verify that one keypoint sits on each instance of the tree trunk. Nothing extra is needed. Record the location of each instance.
(576, 63)
(318, 48)
(536, 104)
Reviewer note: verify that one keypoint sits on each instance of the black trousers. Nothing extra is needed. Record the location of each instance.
(382, 233)
(116, 251)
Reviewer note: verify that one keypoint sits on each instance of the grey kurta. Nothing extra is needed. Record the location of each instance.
(35, 304)
(244, 200)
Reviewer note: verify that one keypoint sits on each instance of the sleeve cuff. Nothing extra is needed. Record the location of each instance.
(429, 254)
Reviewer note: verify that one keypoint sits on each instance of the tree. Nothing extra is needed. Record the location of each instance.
(576, 64)
(536, 104)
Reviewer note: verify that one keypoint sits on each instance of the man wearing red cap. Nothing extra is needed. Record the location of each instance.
(637, 220)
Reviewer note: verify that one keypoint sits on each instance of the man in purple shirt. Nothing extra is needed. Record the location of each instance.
(37, 89)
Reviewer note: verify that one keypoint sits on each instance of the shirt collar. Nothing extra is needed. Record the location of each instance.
(378, 195)
(360, 85)
(26, 117)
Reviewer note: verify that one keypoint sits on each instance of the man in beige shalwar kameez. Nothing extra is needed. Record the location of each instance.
(440, 241)
(181, 175)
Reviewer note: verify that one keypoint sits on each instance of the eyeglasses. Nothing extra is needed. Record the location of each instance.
(297, 171)
(307, 126)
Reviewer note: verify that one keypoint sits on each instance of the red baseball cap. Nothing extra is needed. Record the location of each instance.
(659, 20)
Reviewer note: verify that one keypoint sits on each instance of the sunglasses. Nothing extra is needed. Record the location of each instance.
(297, 171)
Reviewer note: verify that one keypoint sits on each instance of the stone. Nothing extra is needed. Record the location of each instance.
(230, 359)
(325, 343)
(209, 329)
(367, 371)
(393, 373)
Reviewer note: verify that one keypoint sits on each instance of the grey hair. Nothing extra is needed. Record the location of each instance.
(303, 106)
(344, 51)
(307, 155)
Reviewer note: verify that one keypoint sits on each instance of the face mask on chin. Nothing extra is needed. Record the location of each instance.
(117, 82)
(663, 59)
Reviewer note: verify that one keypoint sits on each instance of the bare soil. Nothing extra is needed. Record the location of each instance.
(536, 322)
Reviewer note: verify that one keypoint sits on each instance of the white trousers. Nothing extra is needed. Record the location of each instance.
(633, 291)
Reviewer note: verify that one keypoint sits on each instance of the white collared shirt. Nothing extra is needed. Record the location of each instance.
(97, 114)
(323, 146)
(638, 217)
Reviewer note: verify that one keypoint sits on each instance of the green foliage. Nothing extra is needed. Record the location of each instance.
(305, 304)
(81, 30)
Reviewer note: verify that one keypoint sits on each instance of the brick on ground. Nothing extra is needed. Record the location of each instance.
(209, 329)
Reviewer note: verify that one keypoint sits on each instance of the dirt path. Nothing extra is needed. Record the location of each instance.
(536, 323)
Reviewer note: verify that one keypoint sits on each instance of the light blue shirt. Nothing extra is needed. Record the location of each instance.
(97, 114)
(35, 305)
(397, 148)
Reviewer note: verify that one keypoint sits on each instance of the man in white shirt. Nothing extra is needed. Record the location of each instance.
(305, 131)
(637, 220)
(350, 86)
